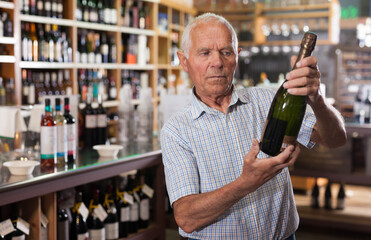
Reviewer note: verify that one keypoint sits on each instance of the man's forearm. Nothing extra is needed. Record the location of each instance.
(196, 211)
(330, 127)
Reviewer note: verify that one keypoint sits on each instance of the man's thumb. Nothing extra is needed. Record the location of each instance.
(254, 148)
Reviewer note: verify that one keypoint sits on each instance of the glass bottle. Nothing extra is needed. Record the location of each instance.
(71, 132)
(61, 123)
(95, 225)
(111, 223)
(79, 229)
(90, 124)
(123, 208)
(2, 92)
(48, 143)
(101, 122)
(35, 43)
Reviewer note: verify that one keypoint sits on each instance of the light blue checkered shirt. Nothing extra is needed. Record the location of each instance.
(203, 150)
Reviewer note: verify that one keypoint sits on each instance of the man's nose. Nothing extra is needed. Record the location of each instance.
(217, 60)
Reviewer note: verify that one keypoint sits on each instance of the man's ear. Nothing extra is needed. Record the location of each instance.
(183, 60)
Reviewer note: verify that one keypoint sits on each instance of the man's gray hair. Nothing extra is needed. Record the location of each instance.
(204, 18)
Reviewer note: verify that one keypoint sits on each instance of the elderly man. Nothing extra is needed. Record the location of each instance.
(219, 183)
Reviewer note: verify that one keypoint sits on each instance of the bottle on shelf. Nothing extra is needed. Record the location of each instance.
(47, 8)
(94, 222)
(71, 133)
(144, 204)
(60, 83)
(367, 106)
(57, 44)
(328, 197)
(25, 28)
(54, 8)
(123, 208)
(98, 55)
(67, 85)
(62, 147)
(78, 11)
(134, 207)
(10, 92)
(25, 87)
(340, 204)
(112, 50)
(314, 203)
(33, 7)
(111, 223)
(62, 224)
(145, 111)
(26, 7)
(287, 111)
(78, 227)
(93, 11)
(101, 122)
(85, 10)
(90, 124)
(59, 8)
(112, 93)
(43, 44)
(113, 14)
(8, 25)
(50, 41)
(18, 224)
(2, 92)
(48, 136)
(126, 114)
(35, 43)
(31, 89)
(104, 49)
(40, 7)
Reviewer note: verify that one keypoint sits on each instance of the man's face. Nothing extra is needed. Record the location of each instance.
(212, 60)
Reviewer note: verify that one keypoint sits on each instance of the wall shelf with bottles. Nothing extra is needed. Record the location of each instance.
(271, 25)
(46, 65)
(47, 20)
(7, 59)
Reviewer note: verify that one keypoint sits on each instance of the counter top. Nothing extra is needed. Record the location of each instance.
(89, 167)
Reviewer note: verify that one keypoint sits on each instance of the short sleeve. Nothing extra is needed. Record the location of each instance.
(180, 165)
(306, 129)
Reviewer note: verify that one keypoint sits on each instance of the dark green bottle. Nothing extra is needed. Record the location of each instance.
(287, 111)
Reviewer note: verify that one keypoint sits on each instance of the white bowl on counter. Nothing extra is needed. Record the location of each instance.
(108, 151)
(17, 167)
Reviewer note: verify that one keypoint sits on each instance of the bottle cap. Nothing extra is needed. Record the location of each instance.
(309, 41)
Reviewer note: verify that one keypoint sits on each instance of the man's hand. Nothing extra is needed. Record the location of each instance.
(257, 171)
(305, 79)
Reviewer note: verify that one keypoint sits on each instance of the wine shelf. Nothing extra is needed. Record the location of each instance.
(6, 5)
(47, 20)
(46, 65)
(7, 40)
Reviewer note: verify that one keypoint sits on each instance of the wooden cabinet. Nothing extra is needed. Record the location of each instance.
(38, 193)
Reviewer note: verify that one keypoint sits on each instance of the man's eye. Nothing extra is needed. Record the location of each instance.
(227, 53)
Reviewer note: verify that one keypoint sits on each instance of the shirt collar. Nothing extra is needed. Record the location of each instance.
(198, 107)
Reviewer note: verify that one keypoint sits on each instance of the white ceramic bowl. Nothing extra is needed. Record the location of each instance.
(17, 167)
(108, 150)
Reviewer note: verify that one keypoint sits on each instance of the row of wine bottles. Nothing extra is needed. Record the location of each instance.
(37, 84)
(51, 43)
(109, 209)
(328, 199)
(47, 8)
(58, 136)
(362, 106)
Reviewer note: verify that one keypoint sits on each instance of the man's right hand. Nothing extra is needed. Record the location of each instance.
(258, 171)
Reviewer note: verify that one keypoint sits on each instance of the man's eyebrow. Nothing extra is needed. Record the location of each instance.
(203, 49)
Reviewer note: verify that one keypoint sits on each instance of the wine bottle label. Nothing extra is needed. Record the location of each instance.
(58, 51)
(71, 138)
(98, 58)
(148, 191)
(51, 51)
(31, 95)
(112, 230)
(23, 226)
(22, 237)
(78, 14)
(113, 16)
(47, 6)
(134, 212)
(97, 234)
(44, 220)
(83, 210)
(62, 140)
(107, 17)
(102, 120)
(83, 236)
(105, 49)
(54, 7)
(128, 198)
(60, 8)
(274, 133)
(91, 57)
(100, 213)
(91, 121)
(6, 227)
(40, 5)
(29, 49)
(25, 90)
(48, 147)
(144, 209)
(125, 214)
(84, 58)
(113, 92)
(24, 49)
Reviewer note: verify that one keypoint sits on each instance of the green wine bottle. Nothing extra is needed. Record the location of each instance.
(287, 111)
